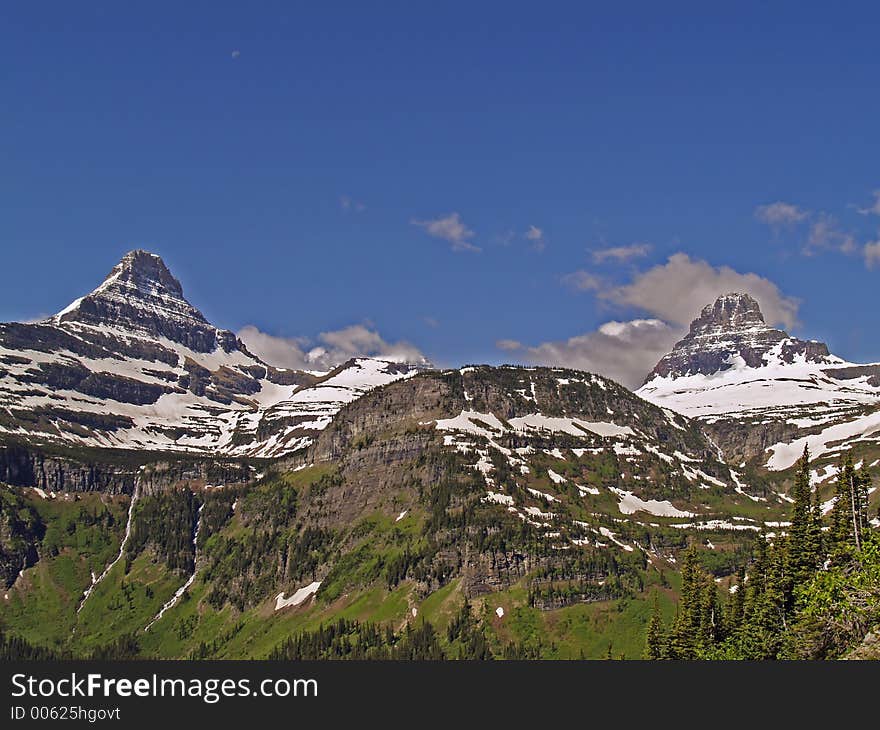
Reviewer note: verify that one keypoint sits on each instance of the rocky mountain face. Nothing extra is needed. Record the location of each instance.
(763, 395)
(514, 426)
(133, 365)
(555, 460)
(21, 532)
(729, 332)
(28, 467)
(142, 297)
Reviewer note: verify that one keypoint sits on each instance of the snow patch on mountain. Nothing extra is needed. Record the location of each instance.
(785, 455)
(298, 598)
(556, 478)
(768, 389)
(571, 426)
(630, 504)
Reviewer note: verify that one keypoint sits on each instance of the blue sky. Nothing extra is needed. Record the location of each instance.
(298, 165)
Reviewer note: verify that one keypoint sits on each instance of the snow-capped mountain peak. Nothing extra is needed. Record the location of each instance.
(134, 365)
(756, 389)
(732, 331)
(140, 295)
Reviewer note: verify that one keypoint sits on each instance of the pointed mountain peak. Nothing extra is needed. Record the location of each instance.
(147, 269)
(140, 278)
(731, 332)
(142, 296)
(731, 311)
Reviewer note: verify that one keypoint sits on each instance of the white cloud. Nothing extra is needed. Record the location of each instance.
(349, 205)
(536, 236)
(282, 352)
(235, 54)
(505, 238)
(871, 252)
(621, 253)
(677, 290)
(781, 215)
(581, 280)
(449, 228)
(623, 351)
(825, 235)
(358, 340)
(873, 208)
(824, 232)
(332, 348)
(509, 345)
(674, 293)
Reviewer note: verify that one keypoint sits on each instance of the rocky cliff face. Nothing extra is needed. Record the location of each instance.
(109, 473)
(25, 467)
(732, 331)
(20, 533)
(507, 393)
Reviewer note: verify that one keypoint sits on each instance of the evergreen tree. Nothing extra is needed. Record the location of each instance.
(654, 642)
(803, 550)
(862, 486)
(792, 602)
(736, 609)
(710, 620)
(841, 532)
(764, 604)
(849, 515)
(817, 538)
(697, 625)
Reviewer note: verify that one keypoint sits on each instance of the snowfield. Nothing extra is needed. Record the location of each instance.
(630, 504)
(571, 426)
(832, 395)
(784, 455)
(778, 385)
(298, 597)
(556, 478)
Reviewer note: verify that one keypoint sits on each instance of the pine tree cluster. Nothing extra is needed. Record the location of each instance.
(812, 593)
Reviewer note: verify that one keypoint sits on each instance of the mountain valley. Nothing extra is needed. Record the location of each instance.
(169, 494)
